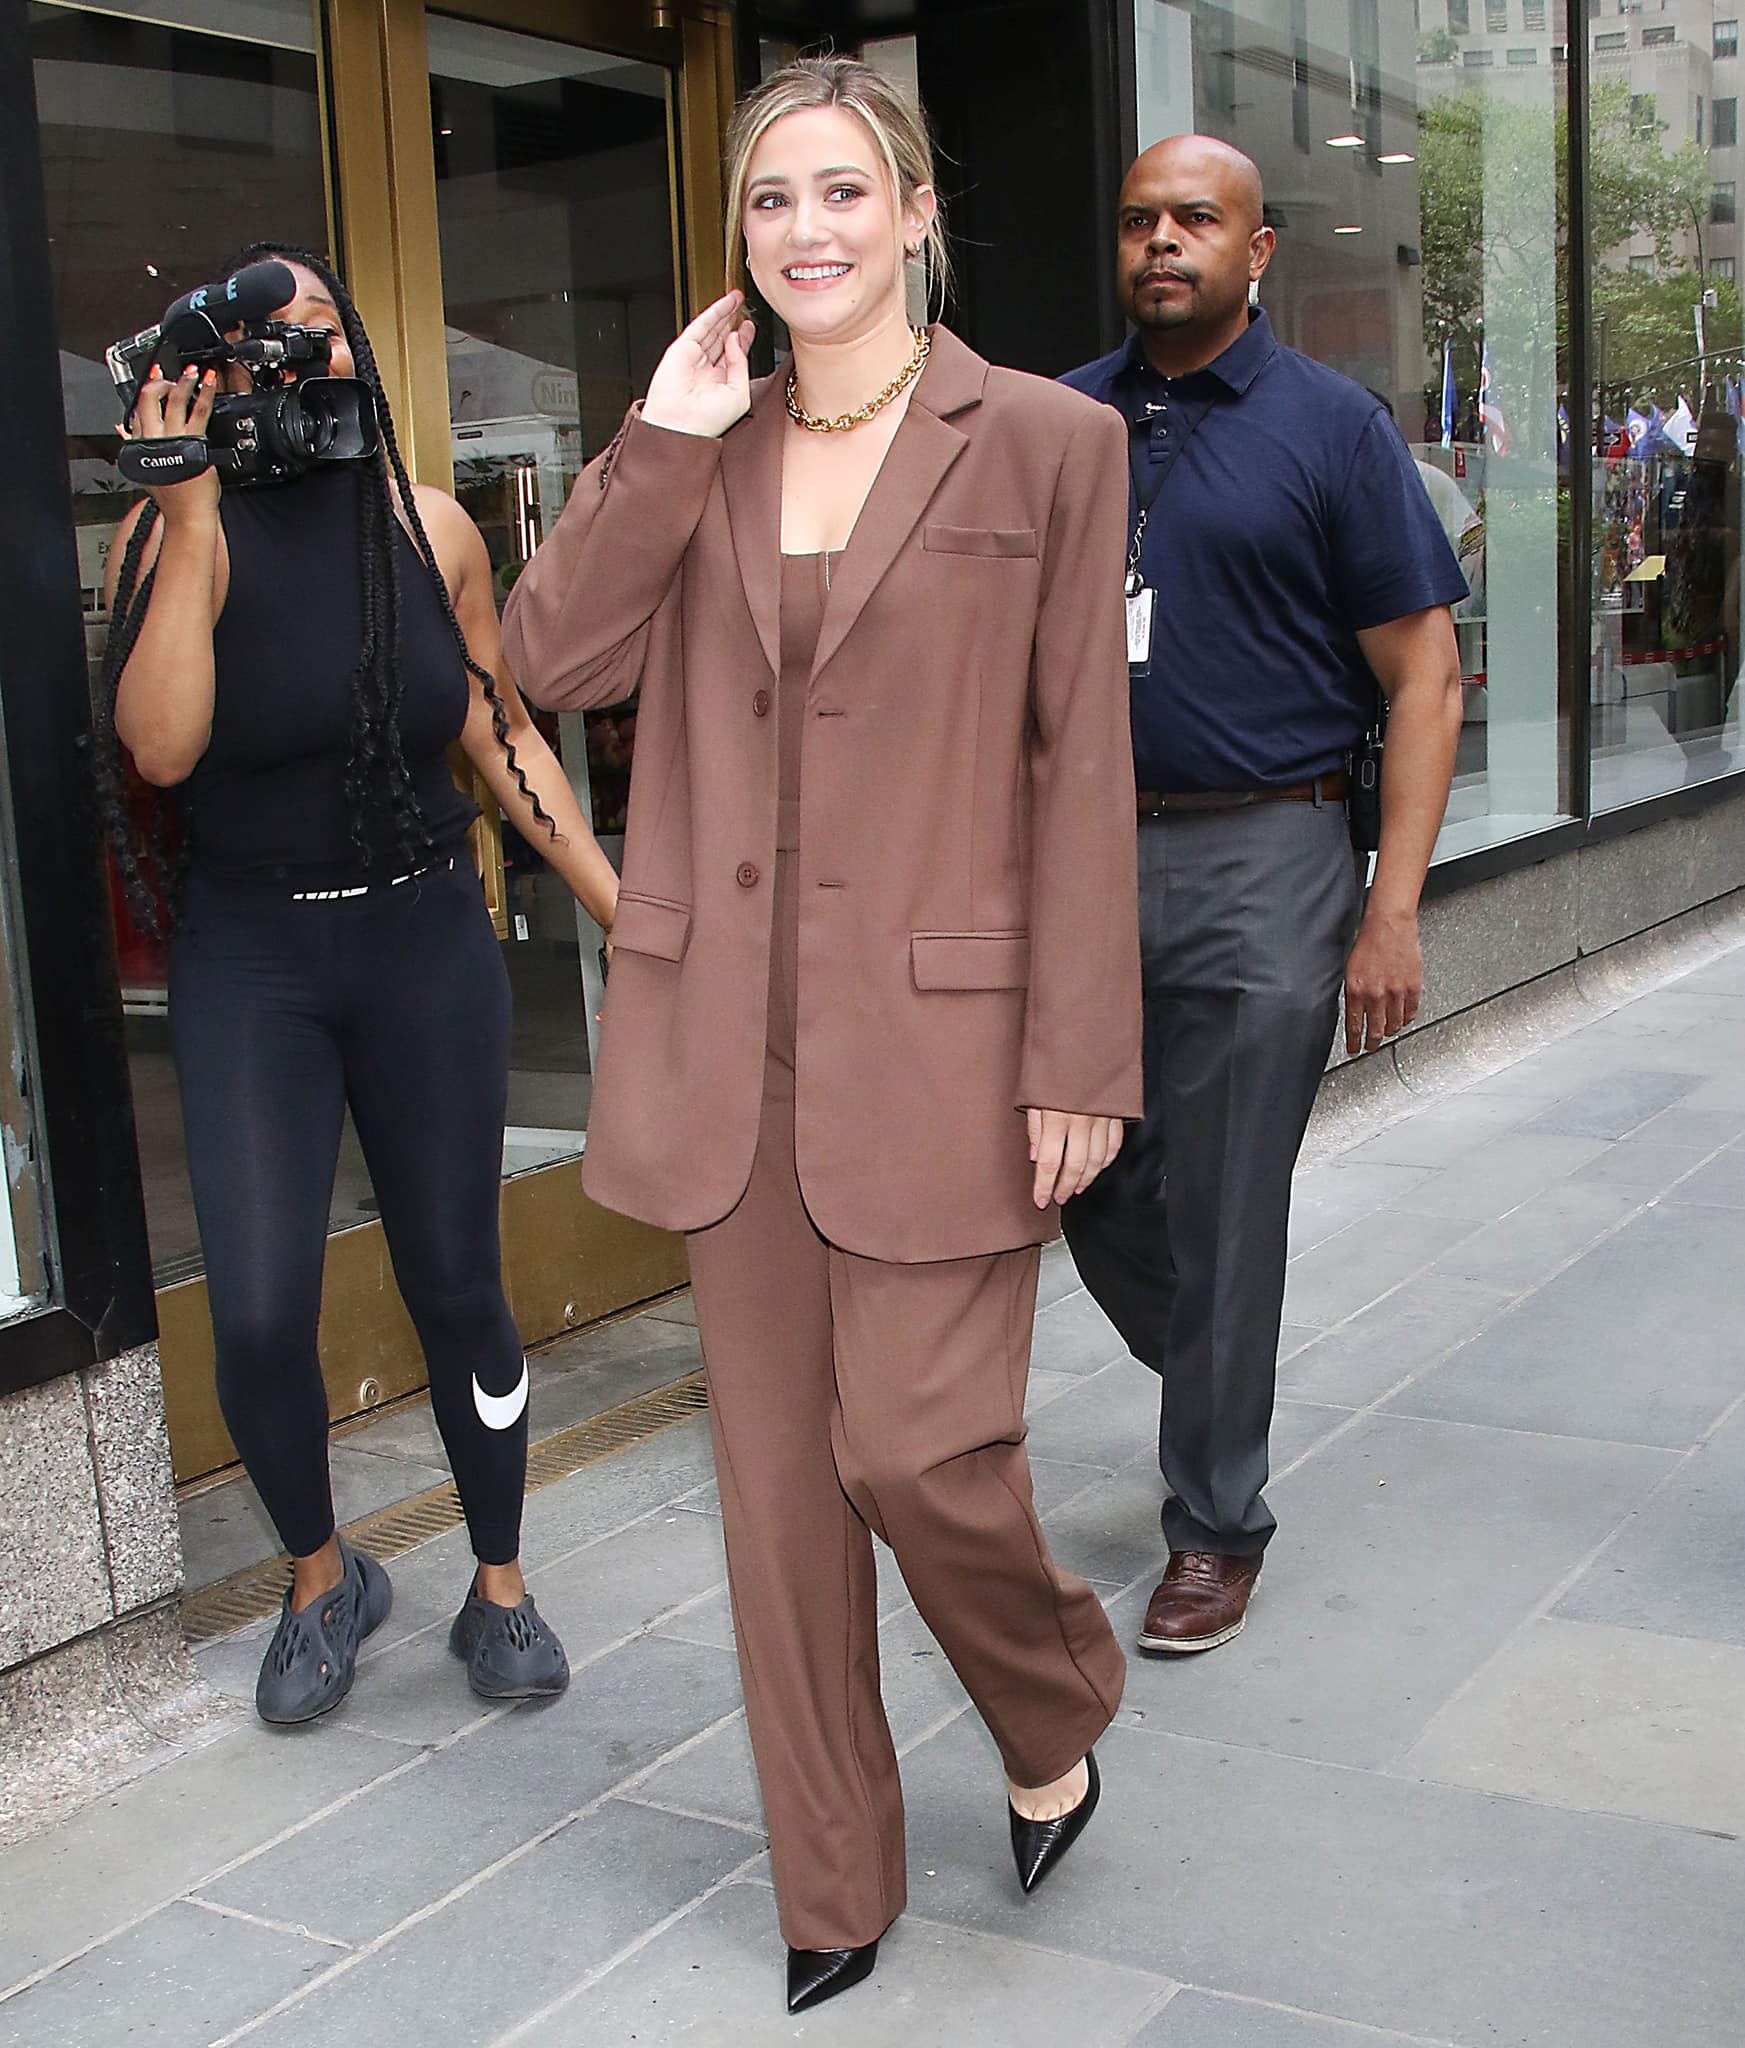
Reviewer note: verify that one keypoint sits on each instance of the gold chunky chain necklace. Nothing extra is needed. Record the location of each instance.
(844, 422)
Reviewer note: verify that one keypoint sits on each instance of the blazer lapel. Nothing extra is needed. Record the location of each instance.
(751, 476)
(925, 446)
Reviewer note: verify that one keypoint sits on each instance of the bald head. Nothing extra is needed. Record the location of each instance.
(1192, 239)
(1203, 161)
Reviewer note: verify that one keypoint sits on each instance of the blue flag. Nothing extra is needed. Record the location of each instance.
(1448, 400)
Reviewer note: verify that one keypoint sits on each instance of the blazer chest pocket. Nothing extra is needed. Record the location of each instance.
(970, 960)
(1000, 543)
(650, 924)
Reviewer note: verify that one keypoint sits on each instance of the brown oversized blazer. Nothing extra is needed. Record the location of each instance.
(968, 939)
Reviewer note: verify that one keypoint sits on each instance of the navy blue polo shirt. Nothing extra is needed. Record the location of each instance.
(1289, 517)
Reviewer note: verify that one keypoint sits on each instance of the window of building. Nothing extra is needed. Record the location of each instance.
(1658, 38)
(1533, 16)
(1727, 38)
(1560, 53)
(1615, 39)
(1496, 16)
(23, 1279)
(167, 142)
(1699, 120)
(1524, 56)
(1665, 637)
(1460, 17)
(1473, 202)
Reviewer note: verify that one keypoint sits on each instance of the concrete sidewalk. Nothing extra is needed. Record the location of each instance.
(1475, 1774)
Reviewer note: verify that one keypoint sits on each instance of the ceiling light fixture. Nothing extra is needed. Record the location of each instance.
(151, 270)
(1348, 231)
(1345, 142)
(1397, 156)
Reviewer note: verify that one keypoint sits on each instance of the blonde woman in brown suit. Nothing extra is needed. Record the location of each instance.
(875, 992)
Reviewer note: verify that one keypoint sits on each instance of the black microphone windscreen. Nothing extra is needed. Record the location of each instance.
(250, 294)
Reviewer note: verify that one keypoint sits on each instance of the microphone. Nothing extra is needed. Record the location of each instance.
(251, 294)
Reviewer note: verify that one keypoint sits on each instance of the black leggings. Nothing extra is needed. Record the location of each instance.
(282, 1014)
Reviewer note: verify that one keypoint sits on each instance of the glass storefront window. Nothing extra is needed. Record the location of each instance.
(1670, 418)
(23, 1279)
(554, 205)
(1419, 219)
(173, 131)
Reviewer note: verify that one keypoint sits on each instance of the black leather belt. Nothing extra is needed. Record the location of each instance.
(1324, 789)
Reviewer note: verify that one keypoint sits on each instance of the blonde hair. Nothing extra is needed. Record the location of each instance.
(898, 129)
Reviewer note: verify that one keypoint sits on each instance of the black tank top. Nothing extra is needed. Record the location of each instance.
(267, 801)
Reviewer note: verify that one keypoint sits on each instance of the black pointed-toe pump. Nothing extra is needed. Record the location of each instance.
(1038, 1845)
(815, 1974)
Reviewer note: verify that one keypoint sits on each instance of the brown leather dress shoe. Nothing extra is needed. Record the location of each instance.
(1200, 1602)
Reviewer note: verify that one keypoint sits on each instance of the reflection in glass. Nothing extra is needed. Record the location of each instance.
(554, 204)
(1418, 214)
(1664, 243)
(172, 133)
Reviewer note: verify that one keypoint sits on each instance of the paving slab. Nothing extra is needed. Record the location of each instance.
(1719, 1184)
(1677, 1566)
(1609, 1719)
(1521, 1251)
(1326, 1199)
(1422, 1909)
(1057, 1276)
(1501, 1176)
(1348, 1271)
(226, 1529)
(522, 1938)
(1406, 1553)
(1367, 1356)
(600, 1498)
(714, 1980)
(1615, 1104)
(1637, 1340)
(407, 1844)
(1643, 1166)
(1074, 1335)
(599, 1596)
(1203, 2019)
(1445, 1130)
(135, 1849)
(184, 1976)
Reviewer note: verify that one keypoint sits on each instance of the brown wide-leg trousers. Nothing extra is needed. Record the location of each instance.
(849, 1397)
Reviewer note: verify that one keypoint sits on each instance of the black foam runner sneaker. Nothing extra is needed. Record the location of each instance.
(510, 1652)
(312, 1658)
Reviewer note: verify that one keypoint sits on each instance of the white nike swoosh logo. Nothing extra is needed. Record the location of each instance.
(501, 1411)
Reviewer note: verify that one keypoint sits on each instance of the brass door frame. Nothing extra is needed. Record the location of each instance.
(566, 1261)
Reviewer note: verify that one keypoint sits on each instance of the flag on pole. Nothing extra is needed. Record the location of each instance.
(1680, 426)
(1448, 397)
(1490, 411)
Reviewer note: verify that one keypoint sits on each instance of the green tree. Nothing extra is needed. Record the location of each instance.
(1635, 187)
(1645, 328)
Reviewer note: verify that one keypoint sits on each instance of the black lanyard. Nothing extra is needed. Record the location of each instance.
(1146, 498)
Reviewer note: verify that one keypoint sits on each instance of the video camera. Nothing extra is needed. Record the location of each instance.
(275, 430)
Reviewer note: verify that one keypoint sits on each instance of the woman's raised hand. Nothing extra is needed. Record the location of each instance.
(702, 384)
(167, 408)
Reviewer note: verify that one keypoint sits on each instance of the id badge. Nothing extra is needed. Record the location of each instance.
(1140, 605)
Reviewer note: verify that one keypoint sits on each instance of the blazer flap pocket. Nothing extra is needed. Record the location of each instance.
(1007, 542)
(649, 924)
(970, 959)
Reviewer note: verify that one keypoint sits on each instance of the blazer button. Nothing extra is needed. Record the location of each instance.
(747, 875)
(760, 704)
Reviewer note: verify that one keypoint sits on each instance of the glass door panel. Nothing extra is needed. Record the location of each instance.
(554, 189)
(173, 132)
